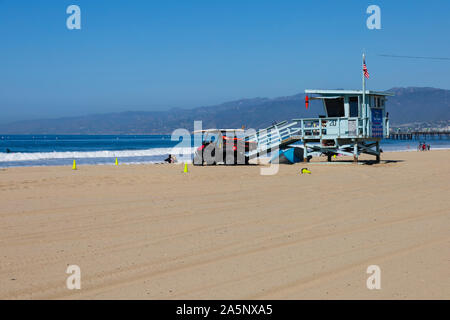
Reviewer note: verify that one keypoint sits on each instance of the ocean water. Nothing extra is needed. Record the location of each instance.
(54, 150)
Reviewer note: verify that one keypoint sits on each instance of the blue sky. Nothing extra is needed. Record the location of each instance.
(154, 55)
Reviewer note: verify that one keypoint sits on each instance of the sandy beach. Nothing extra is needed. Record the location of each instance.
(153, 232)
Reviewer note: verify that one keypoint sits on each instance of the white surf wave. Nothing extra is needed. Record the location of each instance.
(34, 156)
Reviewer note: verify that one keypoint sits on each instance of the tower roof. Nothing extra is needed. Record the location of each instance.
(347, 92)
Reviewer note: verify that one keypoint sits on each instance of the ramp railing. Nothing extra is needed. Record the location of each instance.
(330, 128)
(271, 138)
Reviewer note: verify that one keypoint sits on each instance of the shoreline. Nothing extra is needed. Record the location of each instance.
(162, 161)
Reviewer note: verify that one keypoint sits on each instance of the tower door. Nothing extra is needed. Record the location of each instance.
(354, 106)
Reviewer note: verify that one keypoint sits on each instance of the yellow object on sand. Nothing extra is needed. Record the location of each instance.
(334, 156)
(305, 170)
(117, 162)
(185, 168)
(74, 166)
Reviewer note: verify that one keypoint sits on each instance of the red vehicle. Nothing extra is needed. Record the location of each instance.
(222, 146)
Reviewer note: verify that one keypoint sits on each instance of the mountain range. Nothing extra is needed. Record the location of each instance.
(409, 105)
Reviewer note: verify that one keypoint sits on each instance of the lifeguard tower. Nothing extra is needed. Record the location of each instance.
(354, 122)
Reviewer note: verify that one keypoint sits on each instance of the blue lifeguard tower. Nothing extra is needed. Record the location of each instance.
(349, 126)
(354, 122)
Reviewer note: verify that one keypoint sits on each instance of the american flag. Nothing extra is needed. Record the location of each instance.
(366, 72)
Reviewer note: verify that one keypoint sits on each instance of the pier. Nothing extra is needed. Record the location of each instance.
(417, 135)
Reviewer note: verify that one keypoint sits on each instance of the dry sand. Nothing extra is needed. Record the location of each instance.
(152, 232)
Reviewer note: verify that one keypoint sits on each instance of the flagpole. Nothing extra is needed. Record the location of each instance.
(364, 94)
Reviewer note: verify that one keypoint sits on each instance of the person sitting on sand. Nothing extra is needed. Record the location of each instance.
(170, 159)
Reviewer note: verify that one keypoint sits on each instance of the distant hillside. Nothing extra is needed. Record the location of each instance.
(409, 105)
(419, 105)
